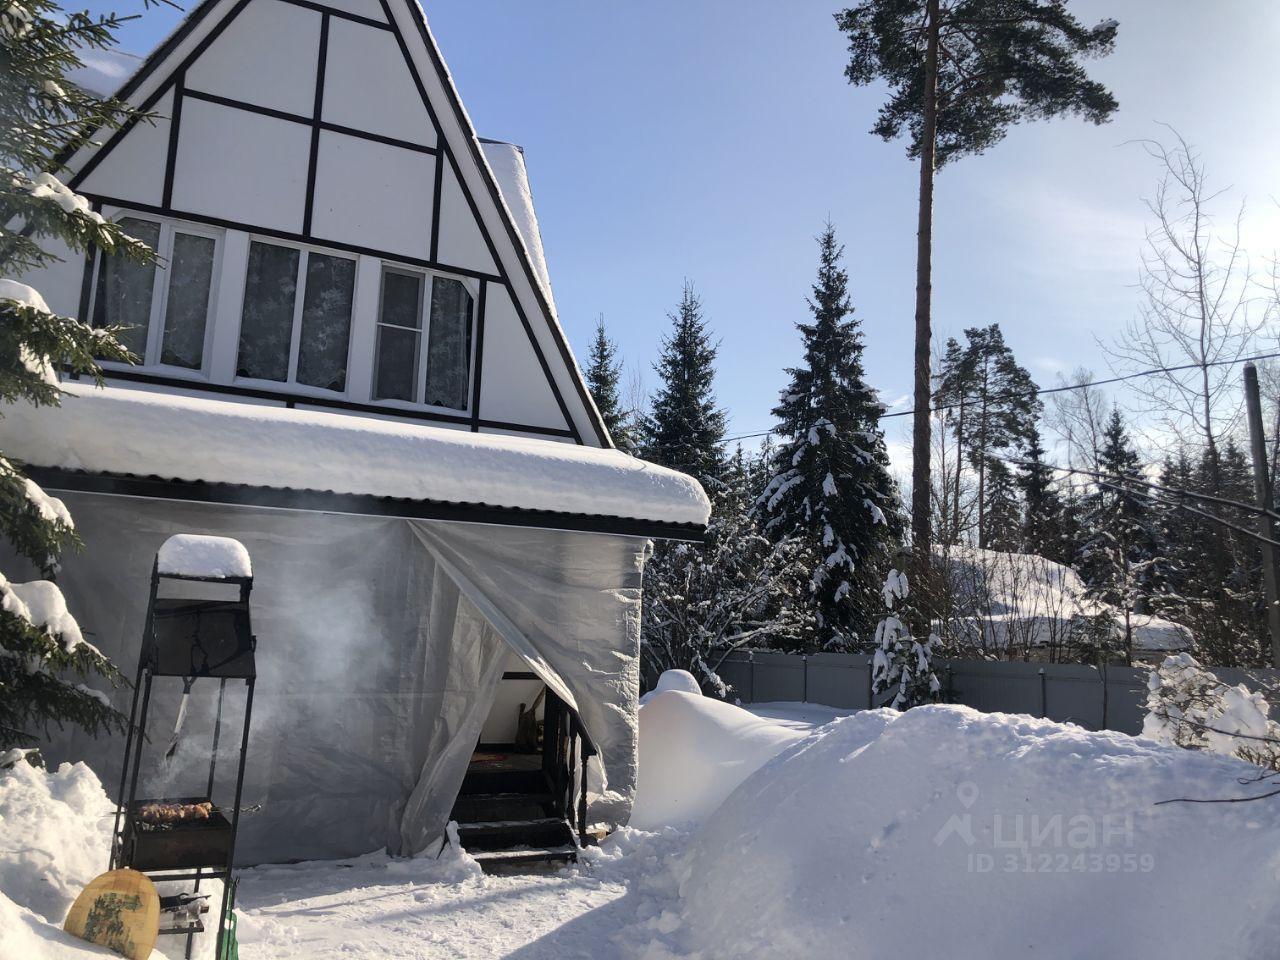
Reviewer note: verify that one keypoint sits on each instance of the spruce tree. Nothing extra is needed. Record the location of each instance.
(686, 428)
(1043, 524)
(831, 485)
(1120, 561)
(603, 374)
(43, 116)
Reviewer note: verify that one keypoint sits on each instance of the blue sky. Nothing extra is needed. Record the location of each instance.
(710, 140)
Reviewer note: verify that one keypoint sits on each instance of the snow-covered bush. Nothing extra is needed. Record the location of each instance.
(1187, 706)
(902, 663)
(739, 587)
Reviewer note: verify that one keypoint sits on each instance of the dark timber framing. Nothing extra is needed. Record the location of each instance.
(442, 150)
(120, 485)
(292, 400)
(317, 111)
(481, 301)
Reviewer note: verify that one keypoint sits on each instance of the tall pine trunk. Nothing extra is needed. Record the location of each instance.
(924, 269)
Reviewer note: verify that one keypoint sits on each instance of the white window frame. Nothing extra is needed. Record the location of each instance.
(291, 384)
(160, 294)
(424, 332)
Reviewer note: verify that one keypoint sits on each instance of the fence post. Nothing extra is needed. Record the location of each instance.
(1044, 694)
(804, 678)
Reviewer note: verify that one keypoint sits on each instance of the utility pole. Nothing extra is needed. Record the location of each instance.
(1262, 491)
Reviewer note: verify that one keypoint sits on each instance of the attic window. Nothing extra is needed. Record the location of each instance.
(438, 374)
(288, 338)
(165, 306)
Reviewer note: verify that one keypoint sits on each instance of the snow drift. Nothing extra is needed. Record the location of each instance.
(693, 752)
(947, 832)
(55, 836)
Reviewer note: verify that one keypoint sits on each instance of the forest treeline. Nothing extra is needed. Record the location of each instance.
(1105, 497)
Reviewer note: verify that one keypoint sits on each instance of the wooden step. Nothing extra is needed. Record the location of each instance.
(565, 853)
(503, 781)
(541, 832)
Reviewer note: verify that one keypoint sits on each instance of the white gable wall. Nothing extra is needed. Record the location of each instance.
(135, 168)
(368, 86)
(379, 193)
(262, 180)
(249, 157)
(267, 56)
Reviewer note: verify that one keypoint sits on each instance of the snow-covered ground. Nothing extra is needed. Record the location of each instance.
(937, 832)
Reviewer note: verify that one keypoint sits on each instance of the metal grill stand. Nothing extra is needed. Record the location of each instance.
(188, 640)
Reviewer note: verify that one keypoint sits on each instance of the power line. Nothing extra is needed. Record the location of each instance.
(1060, 389)
(1113, 478)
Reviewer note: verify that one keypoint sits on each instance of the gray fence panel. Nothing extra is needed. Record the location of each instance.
(777, 676)
(1014, 690)
(1068, 693)
(736, 671)
(839, 680)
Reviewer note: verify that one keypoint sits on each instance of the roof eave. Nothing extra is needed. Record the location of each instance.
(326, 501)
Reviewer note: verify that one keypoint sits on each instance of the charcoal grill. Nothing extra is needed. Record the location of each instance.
(189, 640)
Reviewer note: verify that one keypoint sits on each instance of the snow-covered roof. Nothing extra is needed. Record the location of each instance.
(130, 432)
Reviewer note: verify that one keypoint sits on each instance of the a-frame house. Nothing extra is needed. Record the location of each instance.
(324, 145)
(350, 361)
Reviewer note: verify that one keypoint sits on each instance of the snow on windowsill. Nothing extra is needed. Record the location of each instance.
(125, 431)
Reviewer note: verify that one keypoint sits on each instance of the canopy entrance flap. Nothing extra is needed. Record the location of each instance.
(499, 620)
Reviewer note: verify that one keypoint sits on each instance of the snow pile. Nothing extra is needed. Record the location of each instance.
(195, 555)
(1022, 598)
(693, 752)
(945, 832)
(673, 680)
(55, 836)
(115, 430)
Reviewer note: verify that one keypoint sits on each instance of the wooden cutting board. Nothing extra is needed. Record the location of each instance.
(119, 910)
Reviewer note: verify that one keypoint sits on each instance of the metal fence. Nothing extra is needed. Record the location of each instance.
(1112, 699)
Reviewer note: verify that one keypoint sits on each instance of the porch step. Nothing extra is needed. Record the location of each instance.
(508, 835)
(509, 797)
(565, 853)
(503, 781)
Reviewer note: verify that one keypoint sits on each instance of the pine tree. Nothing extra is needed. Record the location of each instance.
(959, 75)
(831, 485)
(997, 405)
(685, 429)
(603, 373)
(43, 655)
(1120, 560)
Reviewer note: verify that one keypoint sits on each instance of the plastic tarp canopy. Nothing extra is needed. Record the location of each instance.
(381, 643)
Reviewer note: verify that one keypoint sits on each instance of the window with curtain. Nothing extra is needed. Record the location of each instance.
(423, 352)
(289, 338)
(449, 344)
(174, 294)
